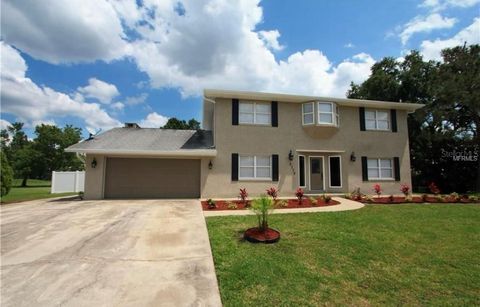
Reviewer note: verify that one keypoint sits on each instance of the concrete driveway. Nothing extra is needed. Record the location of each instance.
(106, 253)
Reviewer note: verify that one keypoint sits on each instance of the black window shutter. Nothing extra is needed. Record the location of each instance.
(274, 167)
(396, 168)
(362, 118)
(234, 166)
(393, 115)
(274, 114)
(235, 112)
(364, 169)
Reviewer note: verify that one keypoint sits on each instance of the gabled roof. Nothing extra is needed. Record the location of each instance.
(149, 141)
(215, 93)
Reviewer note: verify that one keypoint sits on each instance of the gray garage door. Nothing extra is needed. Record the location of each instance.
(152, 178)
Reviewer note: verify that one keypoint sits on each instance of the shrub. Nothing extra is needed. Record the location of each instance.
(273, 193)
(326, 198)
(377, 189)
(299, 194)
(391, 198)
(405, 189)
(243, 195)
(356, 194)
(454, 197)
(6, 178)
(368, 199)
(231, 205)
(408, 198)
(433, 188)
(262, 207)
(211, 204)
(472, 198)
(424, 198)
(81, 195)
(313, 201)
(282, 203)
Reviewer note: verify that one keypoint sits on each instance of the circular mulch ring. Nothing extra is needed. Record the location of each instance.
(255, 235)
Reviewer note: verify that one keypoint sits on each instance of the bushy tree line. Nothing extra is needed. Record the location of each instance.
(37, 158)
(450, 121)
(174, 123)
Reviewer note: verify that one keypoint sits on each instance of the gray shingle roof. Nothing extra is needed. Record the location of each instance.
(147, 139)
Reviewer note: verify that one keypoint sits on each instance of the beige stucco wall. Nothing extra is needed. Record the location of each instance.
(291, 135)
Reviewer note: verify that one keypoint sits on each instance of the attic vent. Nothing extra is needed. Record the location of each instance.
(131, 125)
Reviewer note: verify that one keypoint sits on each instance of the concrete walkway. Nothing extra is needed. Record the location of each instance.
(345, 205)
(106, 253)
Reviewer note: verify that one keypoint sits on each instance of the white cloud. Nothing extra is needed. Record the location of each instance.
(438, 5)
(431, 50)
(64, 31)
(4, 124)
(213, 43)
(153, 120)
(100, 90)
(425, 24)
(117, 106)
(349, 45)
(270, 38)
(135, 100)
(33, 104)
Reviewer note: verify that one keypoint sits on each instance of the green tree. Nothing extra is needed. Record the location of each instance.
(174, 123)
(450, 92)
(6, 176)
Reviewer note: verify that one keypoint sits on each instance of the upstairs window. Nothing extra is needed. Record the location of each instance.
(308, 114)
(327, 113)
(377, 120)
(255, 113)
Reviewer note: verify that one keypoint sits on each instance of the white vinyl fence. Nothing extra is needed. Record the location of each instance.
(63, 182)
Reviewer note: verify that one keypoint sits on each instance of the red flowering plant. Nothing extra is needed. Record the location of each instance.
(273, 193)
(433, 188)
(299, 194)
(243, 195)
(405, 189)
(377, 189)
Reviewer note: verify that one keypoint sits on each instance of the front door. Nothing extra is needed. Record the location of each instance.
(316, 174)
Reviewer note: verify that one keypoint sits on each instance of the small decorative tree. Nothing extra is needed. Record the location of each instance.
(377, 189)
(405, 189)
(243, 195)
(273, 193)
(433, 188)
(299, 194)
(262, 207)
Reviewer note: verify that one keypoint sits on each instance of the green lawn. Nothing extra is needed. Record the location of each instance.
(378, 255)
(36, 189)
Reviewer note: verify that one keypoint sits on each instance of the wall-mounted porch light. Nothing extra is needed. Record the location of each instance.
(290, 156)
(94, 163)
(352, 157)
(210, 165)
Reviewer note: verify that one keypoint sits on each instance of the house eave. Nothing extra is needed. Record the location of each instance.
(150, 153)
(215, 93)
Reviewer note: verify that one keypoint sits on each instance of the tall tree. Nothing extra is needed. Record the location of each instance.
(440, 126)
(175, 123)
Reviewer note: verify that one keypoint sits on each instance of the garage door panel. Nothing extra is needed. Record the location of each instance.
(152, 178)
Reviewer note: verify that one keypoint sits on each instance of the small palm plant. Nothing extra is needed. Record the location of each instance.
(262, 207)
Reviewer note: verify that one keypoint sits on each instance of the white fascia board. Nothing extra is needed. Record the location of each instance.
(164, 153)
(214, 93)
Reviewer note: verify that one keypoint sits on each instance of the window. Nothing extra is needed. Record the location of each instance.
(255, 167)
(377, 120)
(255, 113)
(327, 113)
(301, 171)
(380, 169)
(307, 113)
(335, 166)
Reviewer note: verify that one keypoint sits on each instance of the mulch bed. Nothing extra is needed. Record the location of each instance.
(415, 199)
(255, 235)
(288, 204)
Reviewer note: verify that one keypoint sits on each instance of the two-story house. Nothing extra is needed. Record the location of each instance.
(256, 140)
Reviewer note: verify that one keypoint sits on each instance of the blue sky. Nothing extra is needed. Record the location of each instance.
(96, 64)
